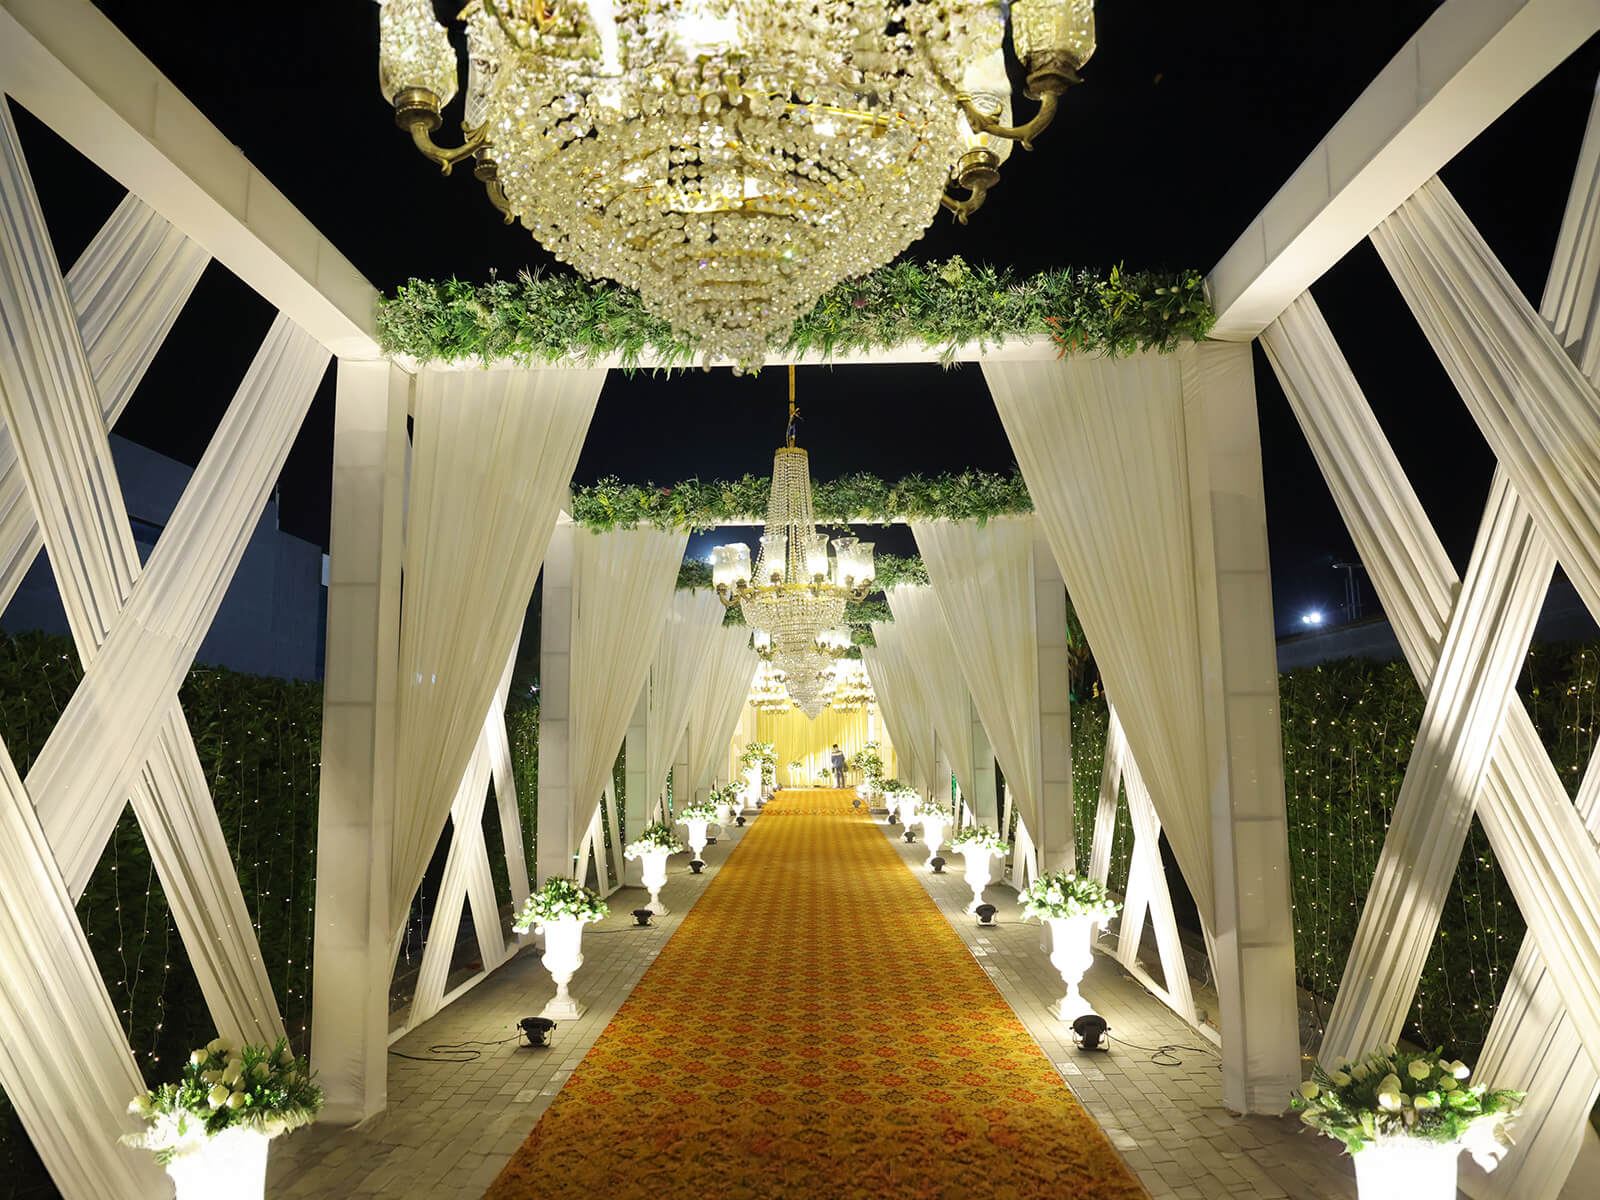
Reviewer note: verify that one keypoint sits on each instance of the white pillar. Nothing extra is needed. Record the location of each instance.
(1053, 842)
(352, 958)
(1252, 930)
(555, 709)
(984, 801)
(638, 796)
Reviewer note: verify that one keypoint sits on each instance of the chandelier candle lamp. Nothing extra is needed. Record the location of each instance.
(731, 160)
(1072, 905)
(979, 846)
(794, 598)
(559, 910)
(655, 845)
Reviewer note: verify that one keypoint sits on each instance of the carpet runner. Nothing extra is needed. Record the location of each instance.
(815, 1028)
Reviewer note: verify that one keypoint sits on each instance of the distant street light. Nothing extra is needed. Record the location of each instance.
(1311, 618)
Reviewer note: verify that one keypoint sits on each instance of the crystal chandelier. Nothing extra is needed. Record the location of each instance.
(852, 690)
(731, 159)
(767, 691)
(795, 597)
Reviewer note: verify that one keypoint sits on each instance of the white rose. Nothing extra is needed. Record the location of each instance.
(232, 1074)
(219, 1045)
(1424, 1104)
(139, 1106)
(236, 1100)
(1360, 1071)
(1389, 1101)
(1309, 1090)
(217, 1096)
(1339, 1078)
(197, 1057)
(1419, 1069)
(1460, 1069)
(1388, 1051)
(1448, 1084)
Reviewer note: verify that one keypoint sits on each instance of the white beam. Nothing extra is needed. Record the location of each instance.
(1468, 63)
(72, 68)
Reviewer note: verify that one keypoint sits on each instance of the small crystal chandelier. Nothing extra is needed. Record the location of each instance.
(795, 597)
(731, 159)
(767, 691)
(852, 690)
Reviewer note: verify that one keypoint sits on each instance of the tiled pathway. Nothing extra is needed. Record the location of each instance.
(450, 1128)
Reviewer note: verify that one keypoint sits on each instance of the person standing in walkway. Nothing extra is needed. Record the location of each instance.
(837, 759)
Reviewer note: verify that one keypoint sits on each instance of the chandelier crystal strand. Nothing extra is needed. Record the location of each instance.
(731, 160)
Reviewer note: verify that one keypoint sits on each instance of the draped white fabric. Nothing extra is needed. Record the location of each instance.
(905, 709)
(493, 451)
(719, 695)
(982, 576)
(622, 587)
(1101, 444)
(64, 1062)
(1530, 400)
(925, 638)
(126, 289)
(691, 627)
(1547, 855)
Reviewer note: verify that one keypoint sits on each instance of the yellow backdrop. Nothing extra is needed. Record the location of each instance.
(810, 742)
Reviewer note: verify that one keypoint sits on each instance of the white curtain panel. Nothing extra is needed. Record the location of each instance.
(493, 452)
(126, 290)
(720, 692)
(622, 587)
(982, 576)
(691, 627)
(64, 1061)
(1533, 404)
(905, 710)
(1101, 444)
(925, 637)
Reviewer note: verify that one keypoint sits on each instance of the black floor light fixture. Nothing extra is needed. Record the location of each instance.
(1089, 1031)
(641, 917)
(696, 865)
(937, 864)
(985, 915)
(910, 837)
(537, 1030)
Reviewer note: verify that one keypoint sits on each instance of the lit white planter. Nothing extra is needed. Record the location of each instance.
(1407, 1169)
(653, 874)
(1072, 954)
(697, 835)
(891, 804)
(563, 955)
(977, 873)
(933, 829)
(232, 1164)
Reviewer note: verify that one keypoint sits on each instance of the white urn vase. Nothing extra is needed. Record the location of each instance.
(653, 874)
(891, 803)
(233, 1163)
(933, 833)
(1405, 1168)
(696, 836)
(977, 873)
(1072, 954)
(563, 955)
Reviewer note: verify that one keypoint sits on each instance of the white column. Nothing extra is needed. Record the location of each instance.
(1053, 841)
(1252, 929)
(555, 707)
(353, 958)
(638, 797)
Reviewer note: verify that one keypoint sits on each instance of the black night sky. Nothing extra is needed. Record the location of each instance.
(1190, 117)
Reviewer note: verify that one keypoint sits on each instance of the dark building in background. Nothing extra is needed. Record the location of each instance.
(273, 618)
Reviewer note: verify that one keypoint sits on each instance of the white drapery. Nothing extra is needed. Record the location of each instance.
(691, 627)
(719, 695)
(925, 638)
(905, 710)
(493, 453)
(622, 587)
(983, 579)
(1101, 444)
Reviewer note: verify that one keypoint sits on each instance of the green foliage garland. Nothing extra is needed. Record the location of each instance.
(548, 317)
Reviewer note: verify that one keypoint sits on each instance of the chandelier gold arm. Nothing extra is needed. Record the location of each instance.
(416, 110)
(978, 170)
(1049, 101)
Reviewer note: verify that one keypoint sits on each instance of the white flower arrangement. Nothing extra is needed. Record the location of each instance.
(225, 1086)
(559, 899)
(1062, 894)
(931, 810)
(656, 838)
(977, 839)
(708, 810)
(1394, 1094)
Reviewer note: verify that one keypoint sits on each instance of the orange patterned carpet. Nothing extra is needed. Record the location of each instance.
(815, 1028)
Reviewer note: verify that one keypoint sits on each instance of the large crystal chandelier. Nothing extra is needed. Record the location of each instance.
(731, 159)
(794, 598)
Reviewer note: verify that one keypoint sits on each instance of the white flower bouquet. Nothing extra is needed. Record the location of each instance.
(653, 840)
(931, 810)
(709, 810)
(977, 839)
(1397, 1094)
(1062, 894)
(225, 1085)
(560, 898)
